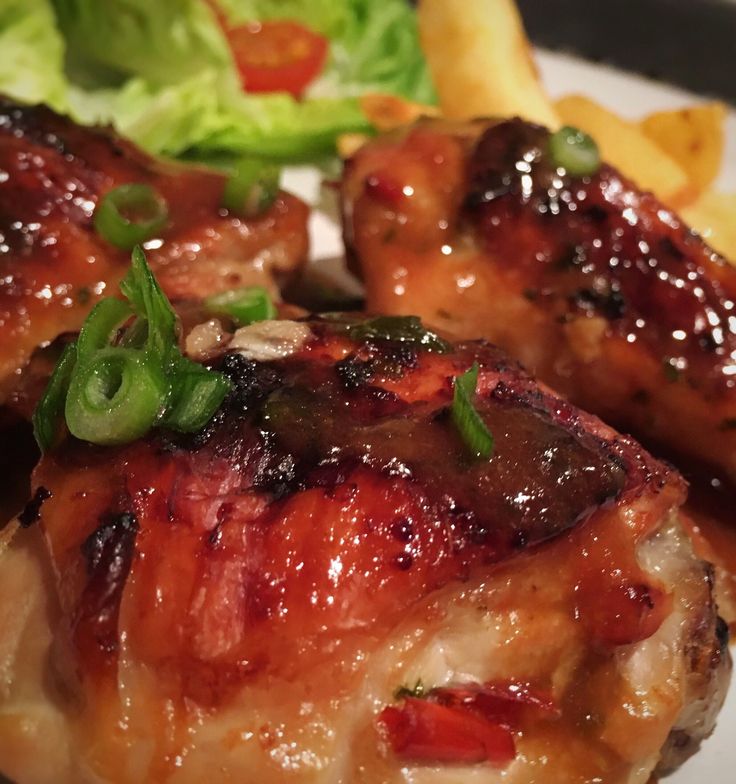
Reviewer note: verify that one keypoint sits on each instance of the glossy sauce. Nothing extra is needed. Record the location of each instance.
(658, 283)
(329, 497)
(594, 286)
(54, 266)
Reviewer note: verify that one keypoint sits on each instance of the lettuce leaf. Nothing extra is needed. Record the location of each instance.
(31, 65)
(162, 72)
(278, 127)
(168, 119)
(328, 17)
(204, 116)
(161, 41)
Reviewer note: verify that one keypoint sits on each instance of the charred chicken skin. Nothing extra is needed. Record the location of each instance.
(596, 287)
(54, 265)
(326, 585)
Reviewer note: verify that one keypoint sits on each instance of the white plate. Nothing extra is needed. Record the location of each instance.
(631, 96)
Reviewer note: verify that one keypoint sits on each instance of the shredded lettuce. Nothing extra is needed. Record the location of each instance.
(162, 72)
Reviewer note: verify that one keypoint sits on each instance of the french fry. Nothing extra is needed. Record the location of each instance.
(481, 60)
(624, 145)
(713, 216)
(694, 137)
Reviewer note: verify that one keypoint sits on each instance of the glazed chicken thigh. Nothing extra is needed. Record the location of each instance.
(326, 585)
(600, 290)
(54, 265)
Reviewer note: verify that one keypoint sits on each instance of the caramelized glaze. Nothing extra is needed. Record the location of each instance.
(596, 287)
(306, 549)
(54, 266)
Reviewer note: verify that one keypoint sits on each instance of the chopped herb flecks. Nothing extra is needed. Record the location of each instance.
(399, 329)
(417, 690)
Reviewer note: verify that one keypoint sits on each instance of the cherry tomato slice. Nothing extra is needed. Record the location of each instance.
(277, 56)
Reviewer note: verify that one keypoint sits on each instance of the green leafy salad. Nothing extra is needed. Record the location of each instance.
(278, 79)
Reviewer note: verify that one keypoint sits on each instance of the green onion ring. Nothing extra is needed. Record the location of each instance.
(251, 188)
(245, 305)
(115, 397)
(574, 151)
(101, 324)
(130, 214)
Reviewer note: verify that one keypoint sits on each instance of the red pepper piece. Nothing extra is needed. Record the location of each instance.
(624, 613)
(385, 188)
(502, 703)
(426, 731)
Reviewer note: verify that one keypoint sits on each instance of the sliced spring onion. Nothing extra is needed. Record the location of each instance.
(403, 329)
(196, 393)
(101, 325)
(124, 375)
(150, 304)
(245, 305)
(130, 214)
(251, 188)
(115, 397)
(50, 408)
(472, 429)
(575, 151)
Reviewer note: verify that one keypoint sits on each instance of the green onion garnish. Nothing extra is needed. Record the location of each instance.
(472, 429)
(50, 408)
(101, 325)
(402, 329)
(196, 393)
(575, 151)
(417, 691)
(126, 374)
(130, 214)
(251, 188)
(115, 397)
(243, 305)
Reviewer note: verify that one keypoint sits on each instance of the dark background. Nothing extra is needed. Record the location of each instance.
(690, 43)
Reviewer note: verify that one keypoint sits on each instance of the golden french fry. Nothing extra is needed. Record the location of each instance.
(713, 216)
(694, 137)
(387, 112)
(481, 60)
(624, 145)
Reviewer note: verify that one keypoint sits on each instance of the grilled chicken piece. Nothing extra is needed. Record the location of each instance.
(244, 604)
(596, 287)
(53, 264)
